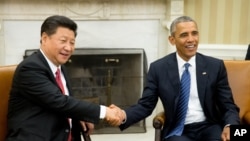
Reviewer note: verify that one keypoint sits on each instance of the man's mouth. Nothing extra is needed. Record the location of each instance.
(64, 54)
(190, 46)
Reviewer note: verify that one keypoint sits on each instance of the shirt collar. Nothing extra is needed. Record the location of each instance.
(181, 62)
(53, 67)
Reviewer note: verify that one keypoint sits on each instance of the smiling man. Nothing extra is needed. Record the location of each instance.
(41, 107)
(193, 89)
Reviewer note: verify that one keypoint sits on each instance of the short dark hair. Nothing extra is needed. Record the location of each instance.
(179, 20)
(51, 24)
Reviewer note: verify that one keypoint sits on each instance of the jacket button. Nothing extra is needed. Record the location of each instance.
(67, 130)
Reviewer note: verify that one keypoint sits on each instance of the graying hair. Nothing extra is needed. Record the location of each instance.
(179, 20)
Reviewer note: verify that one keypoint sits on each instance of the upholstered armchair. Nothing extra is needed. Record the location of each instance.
(6, 75)
(239, 81)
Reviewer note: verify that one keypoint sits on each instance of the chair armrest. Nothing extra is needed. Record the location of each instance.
(159, 120)
(158, 123)
(246, 118)
(86, 137)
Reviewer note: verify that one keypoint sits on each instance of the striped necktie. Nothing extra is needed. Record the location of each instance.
(182, 103)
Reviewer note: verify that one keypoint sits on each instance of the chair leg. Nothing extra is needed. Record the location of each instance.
(157, 135)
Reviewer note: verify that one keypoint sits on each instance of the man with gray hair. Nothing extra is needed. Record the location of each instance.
(193, 89)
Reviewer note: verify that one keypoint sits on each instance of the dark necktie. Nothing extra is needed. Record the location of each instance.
(182, 103)
(60, 84)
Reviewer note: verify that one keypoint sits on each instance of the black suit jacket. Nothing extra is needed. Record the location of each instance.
(163, 82)
(38, 111)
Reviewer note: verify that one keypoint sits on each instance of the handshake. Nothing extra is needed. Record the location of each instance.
(114, 115)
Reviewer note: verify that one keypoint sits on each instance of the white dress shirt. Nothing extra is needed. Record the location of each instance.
(195, 112)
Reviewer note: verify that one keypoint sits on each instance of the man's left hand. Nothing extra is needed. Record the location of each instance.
(225, 136)
(87, 127)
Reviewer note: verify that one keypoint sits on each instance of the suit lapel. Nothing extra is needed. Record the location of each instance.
(42, 58)
(44, 62)
(202, 76)
(67, 79)
(173, 74)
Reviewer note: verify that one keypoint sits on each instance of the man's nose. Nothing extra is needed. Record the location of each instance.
(190, 38)
(68, 47)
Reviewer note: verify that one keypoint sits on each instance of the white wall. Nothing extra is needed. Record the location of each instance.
(22, 35)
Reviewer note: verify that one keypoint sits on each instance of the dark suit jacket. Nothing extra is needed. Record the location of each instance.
(38, 111)
(163, 82)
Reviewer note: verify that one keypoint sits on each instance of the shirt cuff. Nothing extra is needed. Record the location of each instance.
(102, 112)
(125, 117)
(227, 125)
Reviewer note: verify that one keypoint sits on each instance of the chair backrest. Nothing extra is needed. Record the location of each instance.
(239, 81)
(6, 75)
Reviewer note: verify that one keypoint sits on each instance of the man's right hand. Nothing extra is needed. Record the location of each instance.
(114, 115)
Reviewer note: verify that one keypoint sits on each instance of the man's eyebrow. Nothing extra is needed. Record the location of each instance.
(183, 33)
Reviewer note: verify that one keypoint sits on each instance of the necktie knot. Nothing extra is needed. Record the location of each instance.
(58, 73)
(186, 65)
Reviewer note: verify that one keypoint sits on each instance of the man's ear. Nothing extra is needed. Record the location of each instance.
(44, 37)
(171, 39)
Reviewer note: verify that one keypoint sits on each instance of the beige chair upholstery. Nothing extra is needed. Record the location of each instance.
(239, 81)
(6, 75)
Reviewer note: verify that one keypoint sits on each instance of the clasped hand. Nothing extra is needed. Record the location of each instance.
(114, 115)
